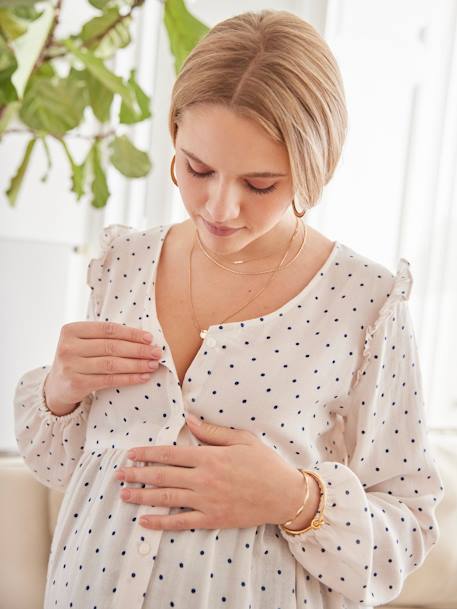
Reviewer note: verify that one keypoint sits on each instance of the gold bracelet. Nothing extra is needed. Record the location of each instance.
(301, 508)
(318, 520)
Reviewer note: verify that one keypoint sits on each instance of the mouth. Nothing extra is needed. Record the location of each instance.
(220, 231)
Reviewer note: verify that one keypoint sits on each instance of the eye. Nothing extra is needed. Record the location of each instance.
(259, 191)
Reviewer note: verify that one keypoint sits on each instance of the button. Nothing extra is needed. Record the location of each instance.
(144, 548)
(210, 341)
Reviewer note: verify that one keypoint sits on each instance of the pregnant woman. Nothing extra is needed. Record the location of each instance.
(306, 480)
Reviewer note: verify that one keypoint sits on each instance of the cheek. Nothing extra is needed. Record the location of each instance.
(192, 189)
(273, 208)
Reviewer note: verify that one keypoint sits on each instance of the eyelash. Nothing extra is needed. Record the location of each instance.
(258, 191)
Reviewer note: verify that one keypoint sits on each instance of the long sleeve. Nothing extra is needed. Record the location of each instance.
(50, 445)
(379, 512)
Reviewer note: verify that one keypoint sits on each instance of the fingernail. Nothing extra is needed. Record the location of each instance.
(147, 337)
(131, 454)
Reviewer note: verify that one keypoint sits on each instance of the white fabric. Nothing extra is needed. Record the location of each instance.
(331, 380)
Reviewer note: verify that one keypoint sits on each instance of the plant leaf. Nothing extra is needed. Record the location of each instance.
(100, 97)
(8, 93)
(99, 184)
(11, 26)
(28, 47)
(16, 180)
(6, 115)
(128, 159)
(8, 65)
(54, 105)
(98, 69)
(98, 25)
(184, 30)
(128, 116)
(117, 38)
(29, 13)
(16, 3)
(105, 34)
(45, 176)
(100, 4)
(78, 171)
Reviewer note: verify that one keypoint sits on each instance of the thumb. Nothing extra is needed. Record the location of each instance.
(215, 434)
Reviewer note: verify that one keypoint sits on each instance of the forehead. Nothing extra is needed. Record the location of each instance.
(213, 132)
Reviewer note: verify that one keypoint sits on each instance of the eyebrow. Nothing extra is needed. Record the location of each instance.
(252, 174)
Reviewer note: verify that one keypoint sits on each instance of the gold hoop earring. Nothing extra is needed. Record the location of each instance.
(172, 166)
(296, 212)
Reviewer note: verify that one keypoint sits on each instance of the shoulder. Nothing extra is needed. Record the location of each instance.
(120, 244)
(114, 235)
(371, 277)
(122, 236)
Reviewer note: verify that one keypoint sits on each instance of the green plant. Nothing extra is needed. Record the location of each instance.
(48, 84)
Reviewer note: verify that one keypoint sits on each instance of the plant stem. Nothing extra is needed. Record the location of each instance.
(50, 39)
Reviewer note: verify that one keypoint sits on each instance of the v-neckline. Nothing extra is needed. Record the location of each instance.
(160, 340)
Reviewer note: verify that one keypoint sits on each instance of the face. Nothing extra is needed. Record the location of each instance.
(215, 151)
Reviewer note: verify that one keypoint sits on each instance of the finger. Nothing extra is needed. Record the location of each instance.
(98, 347)
(107, 329)
(113, 366)
(96, 382)
(162, 476)
(176, 522)
(167, 497)
(174, 455)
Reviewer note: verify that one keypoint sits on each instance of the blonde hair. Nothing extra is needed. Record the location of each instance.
(275, 68)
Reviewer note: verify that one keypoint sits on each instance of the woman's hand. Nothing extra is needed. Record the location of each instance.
(239, 483)
(94, 355)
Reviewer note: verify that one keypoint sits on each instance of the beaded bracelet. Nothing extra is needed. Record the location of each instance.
(318, 520)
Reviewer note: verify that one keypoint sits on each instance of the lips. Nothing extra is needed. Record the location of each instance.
(222, 231)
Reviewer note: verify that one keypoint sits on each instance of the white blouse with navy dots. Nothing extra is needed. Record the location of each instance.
(331, 380)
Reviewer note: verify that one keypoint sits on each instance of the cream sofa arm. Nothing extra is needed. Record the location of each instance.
(25, 534)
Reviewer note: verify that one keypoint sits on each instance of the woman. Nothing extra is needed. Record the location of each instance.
(309, 481)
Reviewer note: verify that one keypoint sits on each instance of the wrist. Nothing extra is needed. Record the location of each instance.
(306, 516)
(59, 410)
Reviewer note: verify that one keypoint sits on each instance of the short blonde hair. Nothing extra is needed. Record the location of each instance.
(275, 68)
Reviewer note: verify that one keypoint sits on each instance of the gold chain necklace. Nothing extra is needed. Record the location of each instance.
(258, 272)
(203, 332)
(241, 261)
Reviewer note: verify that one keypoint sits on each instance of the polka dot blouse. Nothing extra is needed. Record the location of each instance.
(331, 380)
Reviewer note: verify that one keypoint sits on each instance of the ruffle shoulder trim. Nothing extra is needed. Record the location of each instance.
(107, 236)
(401, 290)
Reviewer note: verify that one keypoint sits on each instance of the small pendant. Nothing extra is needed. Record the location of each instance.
(203, 333)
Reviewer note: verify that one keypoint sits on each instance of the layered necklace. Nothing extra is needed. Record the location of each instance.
(273, 271)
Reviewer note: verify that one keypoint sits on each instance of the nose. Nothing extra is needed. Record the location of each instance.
(223, 206)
